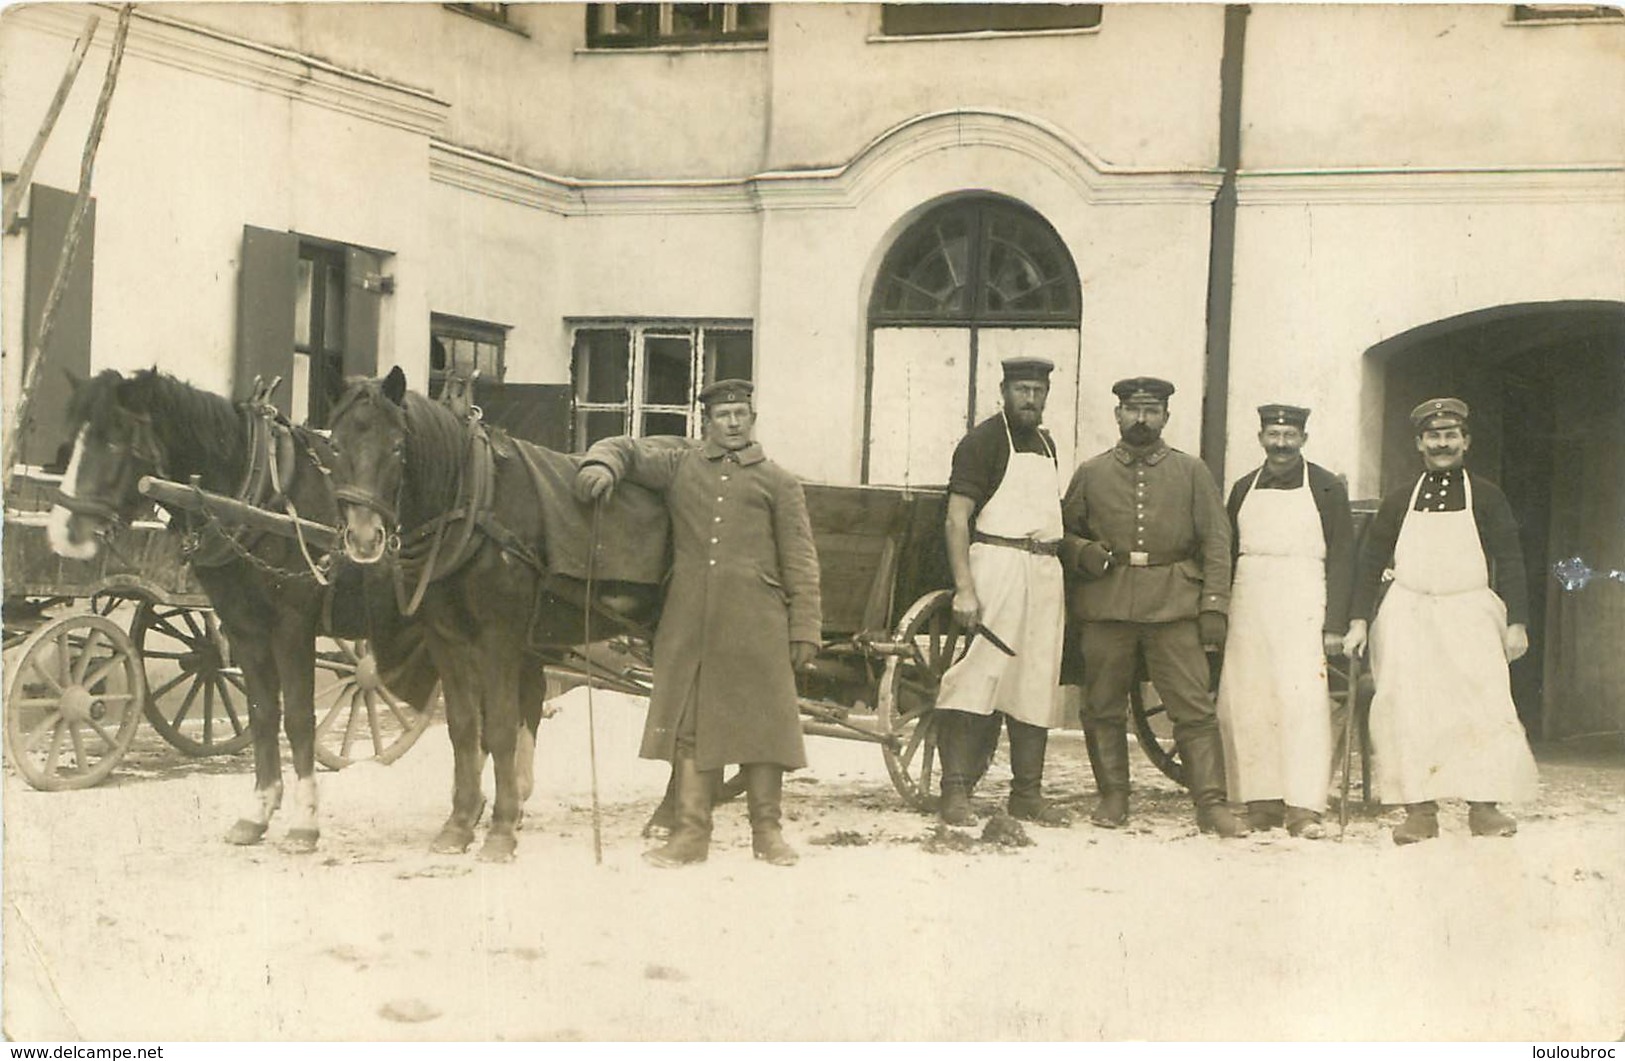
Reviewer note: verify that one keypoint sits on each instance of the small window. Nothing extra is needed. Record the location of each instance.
(649, 25)
(645, 378)
(926, 20)
(1566, 13)
(458, 346)
(497, 14)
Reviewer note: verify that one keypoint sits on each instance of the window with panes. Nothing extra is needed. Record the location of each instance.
(318, 331)
(459, 346)
(651, 25)
(644, 377)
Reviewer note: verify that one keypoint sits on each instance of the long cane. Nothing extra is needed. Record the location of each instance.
(1353, 696)
(592, 717)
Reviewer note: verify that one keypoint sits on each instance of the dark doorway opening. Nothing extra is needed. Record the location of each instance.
(1546, 383)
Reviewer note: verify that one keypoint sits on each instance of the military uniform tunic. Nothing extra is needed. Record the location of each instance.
(744, 585)
(1160, 514)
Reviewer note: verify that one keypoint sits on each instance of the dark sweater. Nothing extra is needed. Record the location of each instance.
(1497, 533)
(1336, 526)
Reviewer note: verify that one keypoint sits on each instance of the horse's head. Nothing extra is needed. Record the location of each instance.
(114, 446)
(368, 428)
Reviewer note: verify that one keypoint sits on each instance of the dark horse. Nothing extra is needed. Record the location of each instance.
(464, 514)
(262, 586)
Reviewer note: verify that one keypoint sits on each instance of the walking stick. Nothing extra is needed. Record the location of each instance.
(592, 718)
(1353, 697)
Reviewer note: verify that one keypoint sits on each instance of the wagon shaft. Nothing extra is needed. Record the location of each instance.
(235, 513)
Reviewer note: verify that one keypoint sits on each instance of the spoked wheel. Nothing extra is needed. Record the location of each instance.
(907, 704)
(357, 715)
(1154, 729)
(202, 707)
(74, 702)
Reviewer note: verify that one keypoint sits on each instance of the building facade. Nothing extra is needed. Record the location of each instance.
(864, 207)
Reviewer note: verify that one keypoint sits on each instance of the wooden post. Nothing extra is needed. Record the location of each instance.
(25, 174)
(70, 244)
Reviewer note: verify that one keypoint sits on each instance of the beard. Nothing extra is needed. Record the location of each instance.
(1139, 434)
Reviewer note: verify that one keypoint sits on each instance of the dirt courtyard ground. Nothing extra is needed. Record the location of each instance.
(127, 918)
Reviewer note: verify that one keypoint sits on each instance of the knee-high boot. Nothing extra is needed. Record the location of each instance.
(1027, 803)
(1108, 758)
(764, 789)
(1202, 751)
(691, 838)
(957, 750)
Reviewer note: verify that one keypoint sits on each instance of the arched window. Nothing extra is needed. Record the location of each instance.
(972, 282)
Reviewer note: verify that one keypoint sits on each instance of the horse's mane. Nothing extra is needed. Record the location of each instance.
(197, 430)
(436, 446)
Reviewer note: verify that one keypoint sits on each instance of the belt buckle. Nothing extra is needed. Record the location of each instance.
(1139, 559)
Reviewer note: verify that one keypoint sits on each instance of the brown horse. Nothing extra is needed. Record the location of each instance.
(262, 587)
(486, 542)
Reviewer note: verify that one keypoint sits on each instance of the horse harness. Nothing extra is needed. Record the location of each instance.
(272, 465)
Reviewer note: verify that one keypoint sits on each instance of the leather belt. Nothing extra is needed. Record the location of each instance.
(1026, 545)
(1147, 559)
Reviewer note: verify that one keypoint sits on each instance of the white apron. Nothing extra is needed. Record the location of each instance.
(1274, 712)
(1023, 602)
(1443, 723)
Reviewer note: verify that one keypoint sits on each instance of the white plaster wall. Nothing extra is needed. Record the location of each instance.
(1429, 85)
(1142, 91)
(500, 261)
(1318, 285)
(1142, 269)
(186, 161)
(667, 264)
(510, 92)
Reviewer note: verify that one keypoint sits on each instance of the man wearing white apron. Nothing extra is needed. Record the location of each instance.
(1288, 610)
(1003, 531)
(1443, 723)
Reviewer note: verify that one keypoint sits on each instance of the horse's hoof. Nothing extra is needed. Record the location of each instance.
(302, 841)
(244, 832)
(498, 847)
(452, 841)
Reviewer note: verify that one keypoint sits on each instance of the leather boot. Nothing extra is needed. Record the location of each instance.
(1108, 759)
(664, 819)
(1303, 823)
(1485, 820)
(1202, 752)
(764, 788)
(691, 839)
(1027, 802)
(1266, 814)
(1421, 823)
(955, 750)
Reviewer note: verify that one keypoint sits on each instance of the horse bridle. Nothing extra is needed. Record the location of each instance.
(143, 446)
(349, 494)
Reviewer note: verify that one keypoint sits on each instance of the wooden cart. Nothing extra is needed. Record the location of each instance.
(93, 645)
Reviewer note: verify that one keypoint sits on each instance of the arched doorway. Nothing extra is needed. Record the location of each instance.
(973, 281)
(1546, 383)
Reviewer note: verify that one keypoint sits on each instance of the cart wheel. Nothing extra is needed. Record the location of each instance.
(357, 716)
(907, 703)
(74, 702)
(203, 708)
(1154, 729)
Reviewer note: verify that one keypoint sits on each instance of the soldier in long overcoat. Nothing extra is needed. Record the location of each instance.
(742, 615)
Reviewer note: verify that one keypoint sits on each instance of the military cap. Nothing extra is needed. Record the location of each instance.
(727, 390)
(1142, 388)
(1276, 413)
(1439, 412)
(1024, 368)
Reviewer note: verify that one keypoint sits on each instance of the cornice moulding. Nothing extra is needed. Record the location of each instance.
(1600, 182)
(234, 60)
